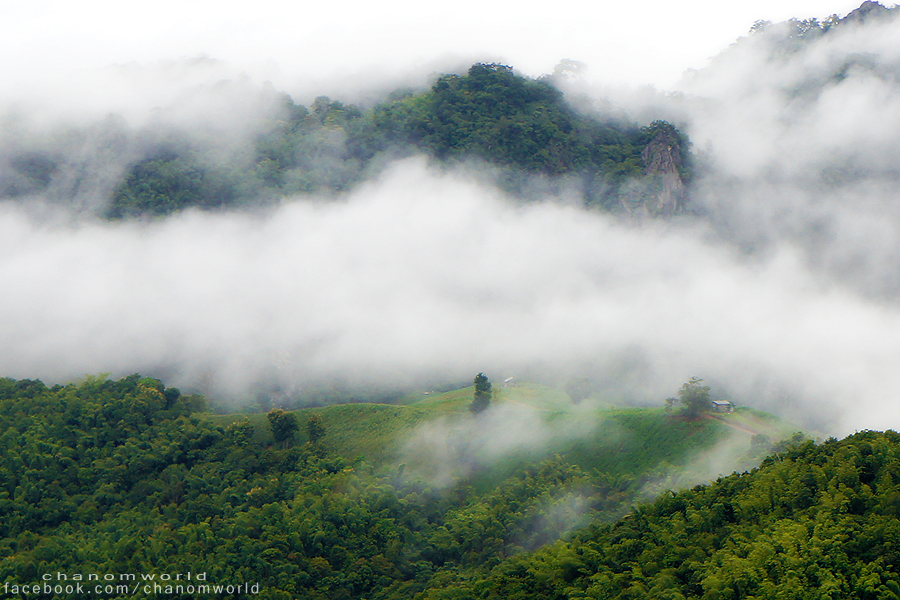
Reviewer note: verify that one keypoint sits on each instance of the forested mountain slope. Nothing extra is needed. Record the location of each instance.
(118, 477)
(524, 128)
(818, 521)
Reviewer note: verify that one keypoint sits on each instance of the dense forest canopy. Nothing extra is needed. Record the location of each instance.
(122, 477)
(523, 126)
(490, 113)
(818, 521)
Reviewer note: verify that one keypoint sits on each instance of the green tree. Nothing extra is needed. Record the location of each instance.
(483, 393)
(284, 425)
(694, 397)
(315, 429)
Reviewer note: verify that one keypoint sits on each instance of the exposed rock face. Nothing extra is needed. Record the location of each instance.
(662, 156)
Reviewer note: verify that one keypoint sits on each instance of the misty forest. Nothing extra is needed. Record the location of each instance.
(482, 336)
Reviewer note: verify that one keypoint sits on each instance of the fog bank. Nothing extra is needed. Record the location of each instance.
(423, 275)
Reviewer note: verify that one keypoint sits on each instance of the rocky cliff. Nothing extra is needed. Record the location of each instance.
(663, 159)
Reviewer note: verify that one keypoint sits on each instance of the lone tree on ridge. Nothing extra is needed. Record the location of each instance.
(483, 393)
(694, 397)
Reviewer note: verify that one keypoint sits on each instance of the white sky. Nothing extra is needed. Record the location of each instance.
(288, 43)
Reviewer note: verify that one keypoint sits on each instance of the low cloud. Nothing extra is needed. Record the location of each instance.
(449, 448)
(425, 275)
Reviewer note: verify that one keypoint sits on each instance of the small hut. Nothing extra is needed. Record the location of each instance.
(722, 406)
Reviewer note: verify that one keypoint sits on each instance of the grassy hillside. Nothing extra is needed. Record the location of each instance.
(592, 435)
